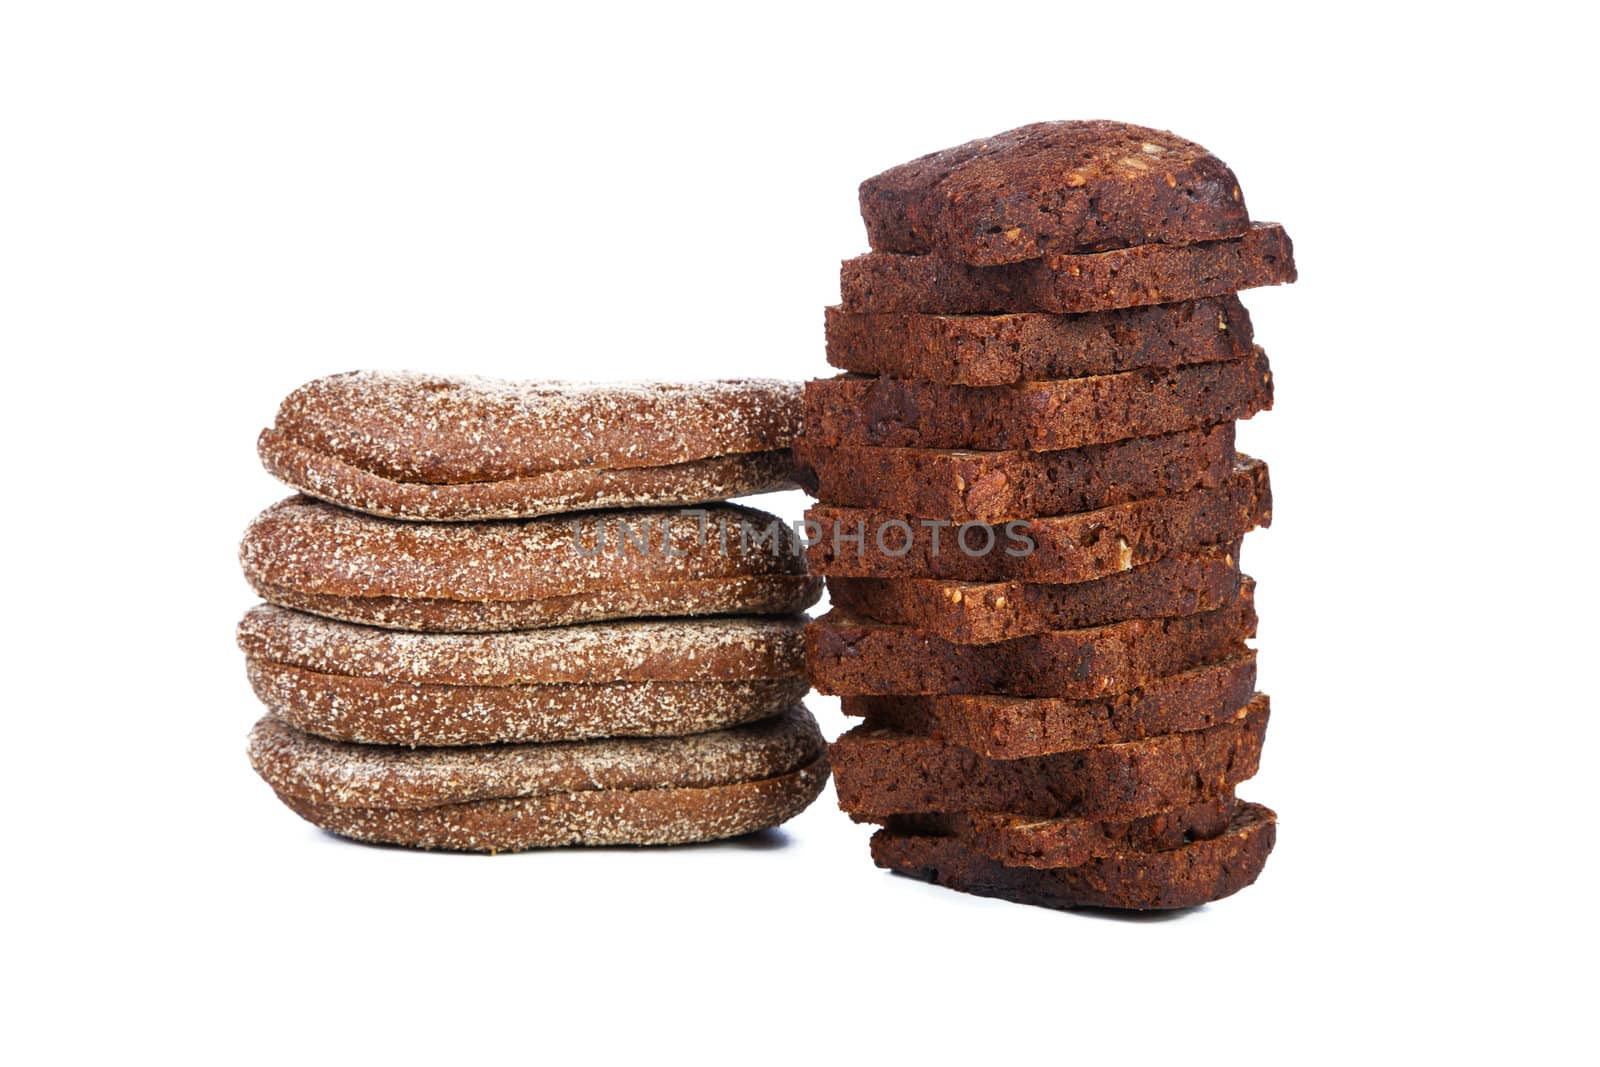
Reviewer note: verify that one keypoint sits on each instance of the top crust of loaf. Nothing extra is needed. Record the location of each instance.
(1081, 186)
(439, 430)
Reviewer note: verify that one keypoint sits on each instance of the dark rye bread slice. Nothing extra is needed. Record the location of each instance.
(880, 772)
(500, 797)
(1064, 549)
(1026, 841)
(852, 657)
(427, 447)
(1037, 416)
(636, 678)
(1071, 186)
(984, 612)
(968, 486)
(1006, 727)
(1063, 284)
(522, 574)
(1183, 877)
(1008, 348)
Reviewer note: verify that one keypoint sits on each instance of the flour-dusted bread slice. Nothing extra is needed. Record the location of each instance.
(1183, 877)
(1029, 841)
(427, 447)
(505, 797)
(1068, 284)
(1068, 413)
(966, 485)
(1008, 727)
(1073, 186)
(854, 657)
(521, 574)
(1064, 549)
(1007, 348)
(880, 772)
(985, 612)
(634, 678)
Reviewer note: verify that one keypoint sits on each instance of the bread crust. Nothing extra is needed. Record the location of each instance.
(665, 816)
(625, 679)
(1183, 877)
(1068, 413)
(336, 774)
(1068, 284)
(311, 556)
(1006, 348)
(1053, 187)
(880, 772)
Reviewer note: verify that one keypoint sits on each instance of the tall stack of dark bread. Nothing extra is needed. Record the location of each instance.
(1030, 515)
(509, 615)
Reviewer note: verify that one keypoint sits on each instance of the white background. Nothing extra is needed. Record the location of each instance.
(206, 204)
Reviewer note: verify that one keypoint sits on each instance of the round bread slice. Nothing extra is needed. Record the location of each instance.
(482, 576)
(506, 797)
(427, 447)
(663, 677)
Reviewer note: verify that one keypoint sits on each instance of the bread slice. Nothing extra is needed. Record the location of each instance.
(1003, 349)
(985, 612)
(482, 576)
(1027, 841)
(1183, 877)
(1068, 413)
(343, 775)
(995, 486)
(1007, 727)
(1053, 187)
(1063, 284)
(852, 657)
(880, 772)
(1065, 549)
(427, 447)
(638, 678)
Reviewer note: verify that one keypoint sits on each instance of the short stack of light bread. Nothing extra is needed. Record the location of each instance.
(1030, 517)
(513, 615)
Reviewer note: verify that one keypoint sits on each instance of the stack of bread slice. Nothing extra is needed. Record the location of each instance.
(512, 615)
(1031, 509)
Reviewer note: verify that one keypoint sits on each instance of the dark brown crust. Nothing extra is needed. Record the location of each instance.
(985, 612)
(880, 772)
(1053, 187)
(545, 493)
(852, 657)
(1068, 413)
(1062, 284)
(670, 816)
(1005, 727)
(995, 486)
(1067, 549)
(1003, 349)
(1184, 877)
(311, 556)
(1025, 841)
